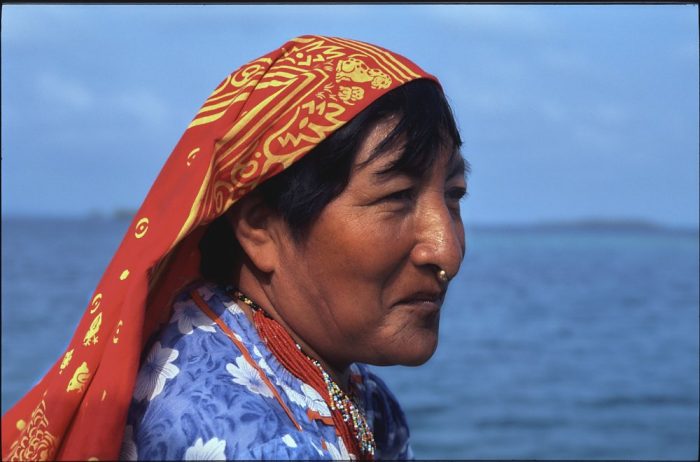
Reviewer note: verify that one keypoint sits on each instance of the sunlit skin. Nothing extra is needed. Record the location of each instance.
(362, 286)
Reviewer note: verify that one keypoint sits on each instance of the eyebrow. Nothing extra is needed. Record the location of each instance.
(458, 165)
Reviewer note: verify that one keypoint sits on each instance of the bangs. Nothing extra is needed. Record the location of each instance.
(424, 126)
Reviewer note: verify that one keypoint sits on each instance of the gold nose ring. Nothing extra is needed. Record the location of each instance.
(442, 276)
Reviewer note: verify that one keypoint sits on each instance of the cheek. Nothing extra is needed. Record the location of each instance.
(353, 269)
(355, 264)
(361, 249)
(406, 338)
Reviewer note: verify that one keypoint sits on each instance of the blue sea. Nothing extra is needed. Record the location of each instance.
(567, 344)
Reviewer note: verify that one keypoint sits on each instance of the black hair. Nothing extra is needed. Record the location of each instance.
(424, 125)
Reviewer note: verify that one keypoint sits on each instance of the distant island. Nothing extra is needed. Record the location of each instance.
(116, 214)
(591, 224)
(579, 225)
(583, 224)
(124, 214)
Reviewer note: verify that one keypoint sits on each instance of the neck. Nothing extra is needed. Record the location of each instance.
(250, 286)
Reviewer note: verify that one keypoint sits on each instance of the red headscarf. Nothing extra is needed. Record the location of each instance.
(261, 119)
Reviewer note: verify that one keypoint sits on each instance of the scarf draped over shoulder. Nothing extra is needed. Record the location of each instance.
(259, 120)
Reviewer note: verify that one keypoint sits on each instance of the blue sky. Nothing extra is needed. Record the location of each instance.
(567, 112)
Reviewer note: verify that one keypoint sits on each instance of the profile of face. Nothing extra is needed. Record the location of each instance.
(362, 285)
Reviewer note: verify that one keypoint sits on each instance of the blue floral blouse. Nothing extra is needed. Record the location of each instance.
(198, 398)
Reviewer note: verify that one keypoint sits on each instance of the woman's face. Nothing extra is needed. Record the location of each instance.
(362, 286)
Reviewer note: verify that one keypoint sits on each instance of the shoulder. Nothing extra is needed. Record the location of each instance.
(198, 396)
(388, 421)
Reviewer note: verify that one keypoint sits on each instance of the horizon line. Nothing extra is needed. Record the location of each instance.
(590, 222)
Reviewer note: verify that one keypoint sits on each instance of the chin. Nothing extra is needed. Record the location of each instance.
(412, 352)
(417, 357)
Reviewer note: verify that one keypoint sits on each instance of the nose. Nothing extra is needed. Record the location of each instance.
(440, 240)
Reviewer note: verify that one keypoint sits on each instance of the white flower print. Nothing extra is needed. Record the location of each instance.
(340, 452)
(188, 317)
(155, 371)
(289, 441)
(314, 401)
(211, 450)
(128, 450)
(248, 376)
(294, 396)
(318, 450)
(262, 362)
(206, 292)
(233, 307)
(307, 399)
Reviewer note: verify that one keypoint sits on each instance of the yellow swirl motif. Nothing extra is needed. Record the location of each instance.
(141, 227)
(115, 339)
(323, 77)
(81, 375)
(191, 156)
(221, 86)
(95, 303)
(91, 335)
(222, 195)
(35, 442)
(246, 74)
(217, 104)
(66, 360)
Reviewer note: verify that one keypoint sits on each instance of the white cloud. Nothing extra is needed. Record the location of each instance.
(603, 114)
(27, 23)
(610, 113)
(68, 93)
(594, 137)
(65, 92)
(686, 51)
(553, 110)
(489, 102)
(506, 18)
(142, 105)
(561, 60)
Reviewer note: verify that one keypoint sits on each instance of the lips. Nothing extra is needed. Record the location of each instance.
(430, 300)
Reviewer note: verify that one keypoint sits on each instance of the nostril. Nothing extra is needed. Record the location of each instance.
(440, 242)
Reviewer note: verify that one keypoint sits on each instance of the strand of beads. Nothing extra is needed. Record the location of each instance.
(344, 411)
(350, 411)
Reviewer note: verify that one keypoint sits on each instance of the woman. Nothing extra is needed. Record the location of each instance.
(306, 223)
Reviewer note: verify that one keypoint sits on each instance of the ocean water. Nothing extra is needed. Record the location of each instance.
(553, 345)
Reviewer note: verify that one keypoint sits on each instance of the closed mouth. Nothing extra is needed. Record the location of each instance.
(425, 300)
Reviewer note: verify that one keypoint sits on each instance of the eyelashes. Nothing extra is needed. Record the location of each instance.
(457, 193)
(407, 196)
(454, 198)
(403, 195)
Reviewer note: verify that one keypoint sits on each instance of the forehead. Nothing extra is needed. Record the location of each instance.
(375, 136)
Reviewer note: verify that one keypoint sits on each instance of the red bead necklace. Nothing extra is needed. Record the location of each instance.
(348, 418)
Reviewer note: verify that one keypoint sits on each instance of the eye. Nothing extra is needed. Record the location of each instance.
(400, 201)
(454, 196)
(403, 195)
(457, 193)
